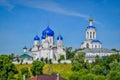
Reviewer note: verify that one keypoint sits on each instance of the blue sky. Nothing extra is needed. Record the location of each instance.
(21, 20)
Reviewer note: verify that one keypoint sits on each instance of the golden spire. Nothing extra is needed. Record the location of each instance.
(90, 19)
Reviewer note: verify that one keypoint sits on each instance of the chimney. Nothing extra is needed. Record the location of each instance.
(57, 76)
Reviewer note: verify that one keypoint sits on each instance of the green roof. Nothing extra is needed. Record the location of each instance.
(25, 56)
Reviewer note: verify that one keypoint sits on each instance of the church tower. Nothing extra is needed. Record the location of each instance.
(59, 41)
(91, 41)
(36, 41)
(25, 49)
(91, 30)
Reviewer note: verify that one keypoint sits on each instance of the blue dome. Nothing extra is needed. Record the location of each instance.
(59, 37)
(36, 37)
(97, 41)
(91, 27)
(48, 32)
(43, 37)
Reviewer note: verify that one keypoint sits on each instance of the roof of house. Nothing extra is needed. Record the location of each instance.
(46, 77)
(97, 50)
(25, 55)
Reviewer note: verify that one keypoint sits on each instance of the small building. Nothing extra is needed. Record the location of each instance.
(26, 57)
(90, 54)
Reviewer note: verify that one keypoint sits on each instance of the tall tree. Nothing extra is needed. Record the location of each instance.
(37, 67)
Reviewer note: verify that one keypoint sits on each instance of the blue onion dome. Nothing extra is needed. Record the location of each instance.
(59, 37)
(96, 41)
(48, 32)
(36, 37)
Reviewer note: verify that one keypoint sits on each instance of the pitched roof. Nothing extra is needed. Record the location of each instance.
(25, 55)
(47, 77)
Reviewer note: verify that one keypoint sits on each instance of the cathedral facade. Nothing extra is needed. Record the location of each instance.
(45, 47)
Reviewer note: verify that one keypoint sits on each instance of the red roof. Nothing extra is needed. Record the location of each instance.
(46, 77)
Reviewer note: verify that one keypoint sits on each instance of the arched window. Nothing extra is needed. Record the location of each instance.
(87, 45)
(95, 46)
(87, 35)
(93, 34)
(90, 35)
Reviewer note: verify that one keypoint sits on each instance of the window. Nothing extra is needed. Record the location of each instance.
(95, 46)
(93, 34)
(87, 35)
(87, 45)
(90, 35)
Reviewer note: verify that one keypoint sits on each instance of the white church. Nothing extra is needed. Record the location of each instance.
(45, 47)
(93, 46)
(91, 41)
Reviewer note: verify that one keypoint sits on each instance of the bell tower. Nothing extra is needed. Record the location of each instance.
(91, 30)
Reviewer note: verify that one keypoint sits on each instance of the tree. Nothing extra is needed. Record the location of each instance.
(113, 75)
(115, 66)
(79, 57)
(99, 77)
(74, 76)
(37, 67)
(62, 57)
(46, 60)
(88, 76)
(115, 50)
(69, 53)
(7, 68)
(24, 71)
(42, 59)
(50, 61)
(76, 66)
(97, 69)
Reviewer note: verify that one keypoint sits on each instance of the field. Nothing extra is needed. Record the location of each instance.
(63, 69)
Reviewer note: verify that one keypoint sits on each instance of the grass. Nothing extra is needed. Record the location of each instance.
(63, 69)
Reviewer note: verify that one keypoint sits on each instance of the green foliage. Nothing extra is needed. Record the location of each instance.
(76, 66)
(42, 59)
(115, 66)
(74, 76)
(69, 53)
(24, 71)
(37, 67)
(7, 69)
(102, 69)
(115, 50)
(99, 77)
(97, 69)
(46, 60)
(114, 75)
(62, 57)
(88, 76)
(50, 61)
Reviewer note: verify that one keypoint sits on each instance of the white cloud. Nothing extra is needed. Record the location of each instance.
(47, 5)
(51, 6)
